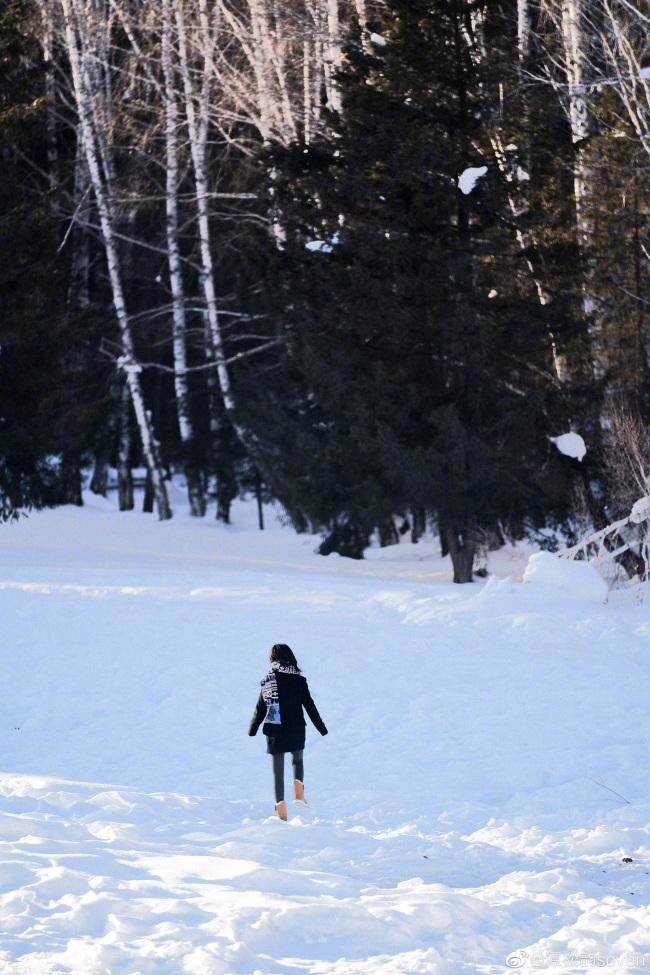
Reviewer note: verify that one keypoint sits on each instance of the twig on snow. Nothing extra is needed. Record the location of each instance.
(602, 785)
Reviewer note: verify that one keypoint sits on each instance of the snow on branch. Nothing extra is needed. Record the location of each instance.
(595, 541)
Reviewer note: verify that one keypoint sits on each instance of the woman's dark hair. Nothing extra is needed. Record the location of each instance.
(283, 655)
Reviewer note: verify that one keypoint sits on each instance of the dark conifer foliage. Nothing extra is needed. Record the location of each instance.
(52, 379)
(415, 329)
(620, 207)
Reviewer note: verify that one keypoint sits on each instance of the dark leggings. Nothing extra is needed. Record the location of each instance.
(278, 771)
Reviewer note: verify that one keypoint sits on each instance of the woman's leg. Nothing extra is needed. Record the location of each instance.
(278, 776)
(297, 765)
(298, 776)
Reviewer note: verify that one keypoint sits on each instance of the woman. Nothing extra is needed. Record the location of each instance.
(283, 696)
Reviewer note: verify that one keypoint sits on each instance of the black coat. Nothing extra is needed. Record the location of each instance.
(293, 696)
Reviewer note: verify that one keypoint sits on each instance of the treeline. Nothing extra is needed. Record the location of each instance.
(364, 258)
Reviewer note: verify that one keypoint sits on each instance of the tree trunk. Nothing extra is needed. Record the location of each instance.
(258, 496)
(124, 475)
(419, 524)
(226, 494)
(361, 12)
(523, 28)
(70, 479)
(192, 475)
(333, 55)
(461, 547)
(346, 538)
(226, 480)
(388, 534)
(51, 110)
(99, 480)
(221, 443)
(147, 504)
(197, 128)
(580, 117)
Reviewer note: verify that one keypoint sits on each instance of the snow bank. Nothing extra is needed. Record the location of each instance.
(580, 580)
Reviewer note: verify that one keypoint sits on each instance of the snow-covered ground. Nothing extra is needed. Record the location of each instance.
(485, 775)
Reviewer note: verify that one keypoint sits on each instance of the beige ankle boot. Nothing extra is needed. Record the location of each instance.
(281, 810)
(299, 793)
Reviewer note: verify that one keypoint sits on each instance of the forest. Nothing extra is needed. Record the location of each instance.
(367, 259)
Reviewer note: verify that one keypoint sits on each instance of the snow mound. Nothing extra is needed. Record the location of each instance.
(570, 444)
(580, 580)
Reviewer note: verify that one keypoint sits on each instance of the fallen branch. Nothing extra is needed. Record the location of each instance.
(622, 798)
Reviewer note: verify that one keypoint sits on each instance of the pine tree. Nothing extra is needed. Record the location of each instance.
(52, 379)
(415, 330)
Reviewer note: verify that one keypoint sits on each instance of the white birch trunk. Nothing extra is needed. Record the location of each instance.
(360, 7)
(332, 55)
(197, 131)
(524, 23)
(307, 92)
(179, 331)
(96, 152)
(574, 40)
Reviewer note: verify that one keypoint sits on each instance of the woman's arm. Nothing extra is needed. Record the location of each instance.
(258, 716)
(312, 710)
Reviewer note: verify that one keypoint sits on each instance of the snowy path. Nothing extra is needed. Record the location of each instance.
(454, 819)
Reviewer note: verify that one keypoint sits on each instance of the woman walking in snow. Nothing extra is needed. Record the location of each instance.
(283, 696)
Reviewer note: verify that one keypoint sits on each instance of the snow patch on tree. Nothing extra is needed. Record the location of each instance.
(469, 178)
(570, 444)
(319, 245)
(323, 246)
(640, 511)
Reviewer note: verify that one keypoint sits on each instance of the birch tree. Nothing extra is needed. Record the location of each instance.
(603, 52)
(240, 73)
(575, 41)
(624, 38)
(172, 165)
(86, 24)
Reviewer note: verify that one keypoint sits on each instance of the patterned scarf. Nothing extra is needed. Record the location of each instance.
(272, 722)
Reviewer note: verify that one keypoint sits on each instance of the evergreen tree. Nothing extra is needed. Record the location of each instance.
(52, 379)
(421, 371)
(618, 202)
